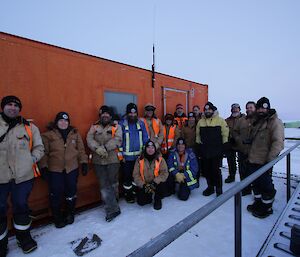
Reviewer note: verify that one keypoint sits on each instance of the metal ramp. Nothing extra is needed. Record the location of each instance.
(278, 242)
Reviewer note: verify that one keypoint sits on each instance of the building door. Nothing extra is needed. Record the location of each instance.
(172, 97)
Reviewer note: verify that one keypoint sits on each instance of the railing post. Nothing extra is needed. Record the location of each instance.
(238, 224)
(288, 177)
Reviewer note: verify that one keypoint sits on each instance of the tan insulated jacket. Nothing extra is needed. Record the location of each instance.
(60, 156)
(16, 159)
(149, 172)
(102, 136)
(232, 123)
(241, 134)
(157, 139)
(267, 139)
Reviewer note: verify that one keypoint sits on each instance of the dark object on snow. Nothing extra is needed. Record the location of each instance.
(295, 240)
(82, 246)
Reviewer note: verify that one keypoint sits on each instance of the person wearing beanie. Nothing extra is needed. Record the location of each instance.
(212, 139)
(188, 132)
(104, 139)
(64, 152)
(197, 112)
(232, 153)
(21, 147)
(134, 137)
(183, 169)
(153, 125)
(241, 135)
(171, 134)
(269, 127)
(179, 116)
(150, 173)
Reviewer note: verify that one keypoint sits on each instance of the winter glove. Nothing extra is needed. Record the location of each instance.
(101, 151)
(179, 177)
(44, 173)
(84, 169)
(153, 186)
(148, 189)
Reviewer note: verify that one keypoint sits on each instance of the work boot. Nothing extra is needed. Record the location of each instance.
(129, 196)
(25, 241)
(257, 202)
(3, 246)
(111, 216)
(157, 204)
(230, 179)
(58, 219)
(208, 191)
(263, 210)
(70, 212)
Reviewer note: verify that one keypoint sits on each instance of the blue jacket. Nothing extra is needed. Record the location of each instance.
(134, 137)
(190, 166)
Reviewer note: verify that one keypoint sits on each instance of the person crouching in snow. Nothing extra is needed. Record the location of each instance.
(183, 168)
(64, 150)
(150, 173)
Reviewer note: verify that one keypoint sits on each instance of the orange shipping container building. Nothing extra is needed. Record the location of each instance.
(49, 79)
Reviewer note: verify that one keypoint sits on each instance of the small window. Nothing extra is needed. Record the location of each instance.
(118, 101)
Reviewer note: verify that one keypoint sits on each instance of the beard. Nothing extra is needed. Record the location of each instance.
(262, 115)
(104, 121)
(132, 119)
(208, 114)
(235, 114)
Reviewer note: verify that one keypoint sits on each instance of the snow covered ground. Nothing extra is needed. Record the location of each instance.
(213, 236)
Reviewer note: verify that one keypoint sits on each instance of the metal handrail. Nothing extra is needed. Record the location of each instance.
(156, 244)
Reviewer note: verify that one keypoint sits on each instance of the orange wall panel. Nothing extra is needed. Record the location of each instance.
(50, 79)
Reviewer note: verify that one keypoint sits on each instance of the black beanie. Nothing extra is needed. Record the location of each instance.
(150, 143)
(169, 116)
(263, 103)
(105, 108)
(62, 115)
(131, 107)
(180, 141)
(209, 105)
(11, 99)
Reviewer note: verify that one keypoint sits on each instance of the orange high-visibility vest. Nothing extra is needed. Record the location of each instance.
(168, 142)
(180, 121)
(35, 168)
(155, 126)
(156, 168)
(119, 154)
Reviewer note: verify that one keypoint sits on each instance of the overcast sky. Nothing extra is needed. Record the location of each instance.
(242, 49)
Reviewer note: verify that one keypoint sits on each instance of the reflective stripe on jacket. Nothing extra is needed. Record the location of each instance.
(180, 121)
(16, 157)
(134, 137)
(190, 166)
(156, 168)
(110, 137)
(149, 173)
(154, 129)
(169, 139)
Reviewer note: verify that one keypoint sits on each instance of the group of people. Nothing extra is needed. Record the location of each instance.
(155, 158)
